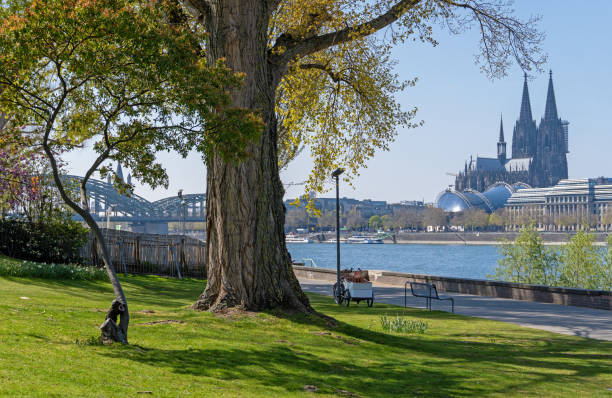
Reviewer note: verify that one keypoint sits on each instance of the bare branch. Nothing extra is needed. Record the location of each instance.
(502, 37)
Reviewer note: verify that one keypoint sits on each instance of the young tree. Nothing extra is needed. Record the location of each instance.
(476, 219)
(355, 221)
(124, 77)
(387, 222)
(458, 219)
(581, 263)
(414, 218)
(375, 222)
(498, 219)
(527, 260)
(321, 77)
(327, 219)
(606, 219)
(435, 217)
(606, 275)
(297, 217)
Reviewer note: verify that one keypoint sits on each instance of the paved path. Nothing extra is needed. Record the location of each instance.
(578, 321)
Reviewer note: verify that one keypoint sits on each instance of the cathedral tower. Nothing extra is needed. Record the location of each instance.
(501, 144)
(538, 152)
(524, 134)
(551, 156)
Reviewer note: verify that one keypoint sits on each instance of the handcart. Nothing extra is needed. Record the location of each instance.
(353, 285)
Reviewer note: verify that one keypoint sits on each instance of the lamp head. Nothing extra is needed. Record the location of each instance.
(337, 172)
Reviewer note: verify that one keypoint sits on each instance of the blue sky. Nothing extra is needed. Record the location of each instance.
(461, 108)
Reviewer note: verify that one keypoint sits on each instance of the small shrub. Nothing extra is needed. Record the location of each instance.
(92, 340)
(52, 241)
(16, 268)
(399, 324)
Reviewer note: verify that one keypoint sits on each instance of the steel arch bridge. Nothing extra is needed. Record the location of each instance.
(105, 202)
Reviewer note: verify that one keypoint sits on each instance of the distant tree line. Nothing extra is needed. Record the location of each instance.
(411, 219)
(399, 219)
(417, 219)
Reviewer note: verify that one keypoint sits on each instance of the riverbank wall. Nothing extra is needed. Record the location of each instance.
(517, 291)
(471, 238)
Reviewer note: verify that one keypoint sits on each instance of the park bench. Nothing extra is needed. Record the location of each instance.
(426, 290)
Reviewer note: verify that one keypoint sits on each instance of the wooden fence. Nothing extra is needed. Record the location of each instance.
(134, 253)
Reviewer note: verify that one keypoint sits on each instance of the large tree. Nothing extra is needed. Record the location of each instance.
(319, 74)
(123, 77)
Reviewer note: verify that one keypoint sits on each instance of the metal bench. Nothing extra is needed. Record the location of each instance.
(426, 290)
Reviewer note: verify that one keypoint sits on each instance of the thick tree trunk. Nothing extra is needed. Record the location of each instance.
(248, 262)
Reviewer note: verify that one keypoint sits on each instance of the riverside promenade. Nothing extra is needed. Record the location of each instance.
(577, 321)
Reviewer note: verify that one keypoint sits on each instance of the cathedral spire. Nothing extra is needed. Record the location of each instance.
(119, 172)
(501, 144)
(525, 104)
(550, 112)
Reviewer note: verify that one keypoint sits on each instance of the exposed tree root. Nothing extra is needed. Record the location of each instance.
(110, 330)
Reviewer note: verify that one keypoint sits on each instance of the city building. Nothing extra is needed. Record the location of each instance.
(363, 208)
(494, 198)
(566, 206)
(538, 153)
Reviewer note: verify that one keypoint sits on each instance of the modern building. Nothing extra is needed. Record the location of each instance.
(565, 206)
(495, 197)
(538, 153)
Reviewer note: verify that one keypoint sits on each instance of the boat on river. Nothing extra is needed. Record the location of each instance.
(298, 239)
(365, 239)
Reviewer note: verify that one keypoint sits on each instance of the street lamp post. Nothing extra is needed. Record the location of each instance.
(338, 288)
(109, 210)
(183, 214)
(182, 203)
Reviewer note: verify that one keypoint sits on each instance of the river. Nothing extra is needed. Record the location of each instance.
(445, 260)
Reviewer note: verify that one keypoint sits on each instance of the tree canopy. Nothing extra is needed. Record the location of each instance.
(337, 96)
(121, 76)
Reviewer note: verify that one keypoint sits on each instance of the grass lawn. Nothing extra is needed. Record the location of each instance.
(48, 347)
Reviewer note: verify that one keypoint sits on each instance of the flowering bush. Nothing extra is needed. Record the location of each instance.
(12, 267)
(401, 325)
(17, 183)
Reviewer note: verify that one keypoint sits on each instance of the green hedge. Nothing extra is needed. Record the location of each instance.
(54, 241)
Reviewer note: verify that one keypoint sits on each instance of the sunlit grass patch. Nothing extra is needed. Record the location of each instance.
(49, 346)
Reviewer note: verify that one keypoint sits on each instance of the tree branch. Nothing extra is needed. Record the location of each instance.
(202, 7)
(288, 48)
(335, 76)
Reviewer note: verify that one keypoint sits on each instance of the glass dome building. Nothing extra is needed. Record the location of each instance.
(493, 198)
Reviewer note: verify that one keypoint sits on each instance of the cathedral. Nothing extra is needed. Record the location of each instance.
(538, 152)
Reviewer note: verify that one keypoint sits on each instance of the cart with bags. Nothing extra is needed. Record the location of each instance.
(353, 286)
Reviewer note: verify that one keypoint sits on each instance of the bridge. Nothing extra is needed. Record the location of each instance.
(138, 214)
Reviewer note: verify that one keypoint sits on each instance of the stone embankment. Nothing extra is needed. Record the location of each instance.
(598, 299)
(470, 238)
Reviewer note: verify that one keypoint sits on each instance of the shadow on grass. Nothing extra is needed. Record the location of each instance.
(141, 290)
(288, 369)
(393, 365)
(551, 356)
